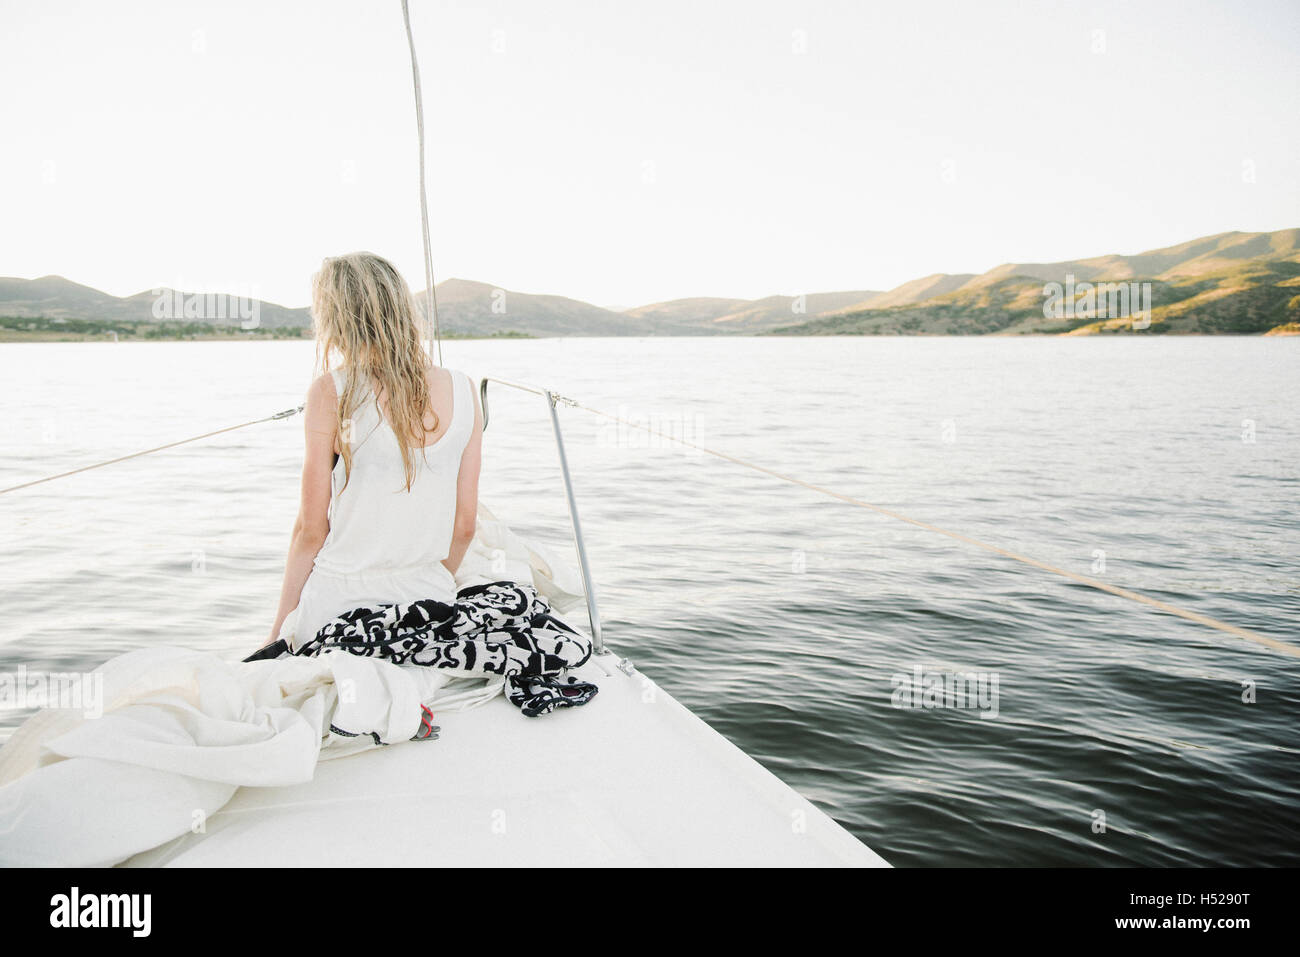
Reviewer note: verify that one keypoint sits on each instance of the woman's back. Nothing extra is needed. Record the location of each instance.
(376, 524)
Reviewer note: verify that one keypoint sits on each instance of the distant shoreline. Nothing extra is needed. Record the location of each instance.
(7, 336)
(43, 329)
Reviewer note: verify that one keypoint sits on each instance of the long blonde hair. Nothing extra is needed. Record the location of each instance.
(364, 311)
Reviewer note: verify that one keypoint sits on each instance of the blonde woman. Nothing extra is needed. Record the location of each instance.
(389, 507)
(390, 475)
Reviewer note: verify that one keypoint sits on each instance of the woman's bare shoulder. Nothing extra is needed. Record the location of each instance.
(323, 386)
(321, 394)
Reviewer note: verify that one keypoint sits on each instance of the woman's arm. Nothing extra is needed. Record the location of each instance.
(312, 525)
(467, 491)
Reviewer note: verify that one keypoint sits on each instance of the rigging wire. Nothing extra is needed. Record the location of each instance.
(135, 455)
(1247, 634)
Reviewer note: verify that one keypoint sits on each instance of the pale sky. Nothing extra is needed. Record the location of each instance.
(630, 152)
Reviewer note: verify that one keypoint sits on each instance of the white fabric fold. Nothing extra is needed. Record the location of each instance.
(181, 730)
(497, 553)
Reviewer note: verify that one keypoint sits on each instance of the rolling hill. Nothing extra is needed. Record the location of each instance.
(473, 308)
(743, 316)
(53, 297)
(1232, 283)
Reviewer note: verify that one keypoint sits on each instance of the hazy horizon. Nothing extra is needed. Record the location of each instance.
(559, 293)
(623, 157)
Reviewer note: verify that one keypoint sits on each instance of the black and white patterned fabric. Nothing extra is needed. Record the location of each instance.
(500, 628)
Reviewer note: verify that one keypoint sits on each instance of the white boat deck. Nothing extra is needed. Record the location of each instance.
(632, 778)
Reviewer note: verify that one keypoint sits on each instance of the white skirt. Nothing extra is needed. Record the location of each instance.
(327, 595)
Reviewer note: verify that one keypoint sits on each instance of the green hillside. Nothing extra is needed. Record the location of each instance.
(1247, 298)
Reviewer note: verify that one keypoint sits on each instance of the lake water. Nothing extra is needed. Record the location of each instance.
(783, 618)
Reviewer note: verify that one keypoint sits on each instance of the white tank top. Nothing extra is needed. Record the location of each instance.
(376, 525)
